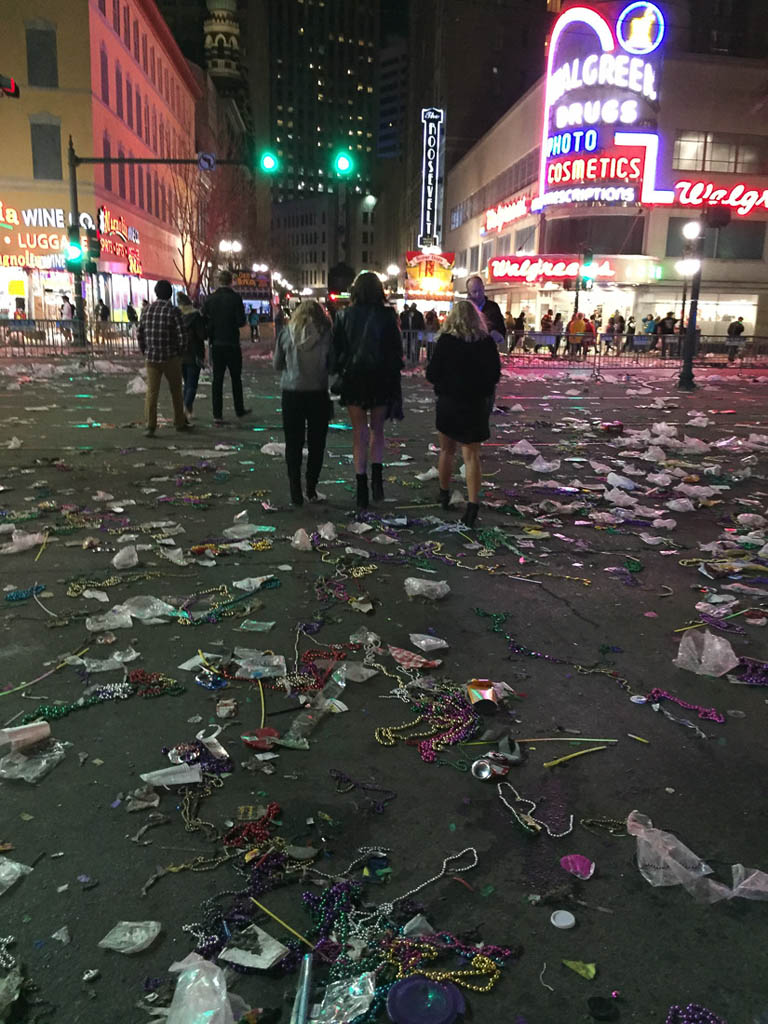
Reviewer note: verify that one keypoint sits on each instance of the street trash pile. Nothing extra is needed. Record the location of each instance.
(178, 565)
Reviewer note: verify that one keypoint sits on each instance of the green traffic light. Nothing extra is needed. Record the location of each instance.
(74, 252)
(268, 163)
(343, 163)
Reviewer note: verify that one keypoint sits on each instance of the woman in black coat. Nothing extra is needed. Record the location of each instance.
(465, 369)
(367, 357)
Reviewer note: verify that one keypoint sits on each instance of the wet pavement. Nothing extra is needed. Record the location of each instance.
(557, 595)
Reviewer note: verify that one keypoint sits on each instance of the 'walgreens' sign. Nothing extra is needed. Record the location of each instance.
(743, 199)
(497, 218)
(549, 268)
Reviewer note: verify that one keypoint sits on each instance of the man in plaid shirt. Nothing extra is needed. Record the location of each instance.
(162, 340)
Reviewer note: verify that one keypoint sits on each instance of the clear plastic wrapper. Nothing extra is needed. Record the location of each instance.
(126, 558)
(32, 765)
(345, 1000)
(131, 936)
(300, 541)
(307, 720)
(115, 618)
(10, 872)
(428, 643)
(705, 654)
(435, 590)
(541, 465)
(201, 993)
(146, 608)
(523, 448)
(21, 541)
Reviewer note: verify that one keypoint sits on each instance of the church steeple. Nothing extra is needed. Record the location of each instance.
(222, 43)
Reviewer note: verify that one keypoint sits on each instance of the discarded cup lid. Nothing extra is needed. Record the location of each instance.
(563, 919)
(417, 1000)
(637, 698)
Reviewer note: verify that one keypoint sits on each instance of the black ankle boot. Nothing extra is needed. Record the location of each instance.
(294, 483)
(377, 481)
(362, 490)
(444, 498)
(470, 514)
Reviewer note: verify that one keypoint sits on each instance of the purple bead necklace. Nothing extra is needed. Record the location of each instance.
(692, 1014)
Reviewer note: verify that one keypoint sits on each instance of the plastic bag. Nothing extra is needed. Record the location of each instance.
(201, 993)
(427, 643)
(10, 872)
(345, 1000)
(21, 541)
(680, 505)
(705, 654)
(436, 590)
(34, 764)
(664, 860)
(241, 531)
(136, 386)
(301, 541)
(131, 936)
(146, 608)
(617, 480)
(523, 448)
(540, 465)
(126, 558)
(176, 775)
(273, 448)
(327, 531)
(115, 618)
(620, 498)
(663, 429)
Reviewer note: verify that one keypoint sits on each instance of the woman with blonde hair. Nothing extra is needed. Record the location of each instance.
(464, 370)
(302, 352)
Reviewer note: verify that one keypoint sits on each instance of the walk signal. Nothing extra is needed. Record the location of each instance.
(74, 250)
(343, 164)
(9, 87)
(268, 162)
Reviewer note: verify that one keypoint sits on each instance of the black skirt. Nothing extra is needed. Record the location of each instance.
(466, 420)
(370, 390)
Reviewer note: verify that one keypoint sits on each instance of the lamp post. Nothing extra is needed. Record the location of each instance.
(686, 268)
(693, 232)
(230, 248)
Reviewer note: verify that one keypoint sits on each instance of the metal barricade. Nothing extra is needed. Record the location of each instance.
(50, 339)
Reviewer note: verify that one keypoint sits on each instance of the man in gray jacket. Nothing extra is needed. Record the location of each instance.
(224, 315)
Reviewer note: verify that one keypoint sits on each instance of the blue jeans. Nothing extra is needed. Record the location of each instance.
(191, 375)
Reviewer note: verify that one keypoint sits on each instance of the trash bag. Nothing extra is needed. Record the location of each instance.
(705, 654)
(201, 993)
(436, 590)
(131, 936)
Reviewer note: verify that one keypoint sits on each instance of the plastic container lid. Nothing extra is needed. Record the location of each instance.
(638, 699)
(417, 1000)
(563, 919)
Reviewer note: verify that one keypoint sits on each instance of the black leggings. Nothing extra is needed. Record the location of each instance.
(308, 411)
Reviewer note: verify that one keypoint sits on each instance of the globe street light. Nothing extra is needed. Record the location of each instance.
(692, 230)
(393, 270)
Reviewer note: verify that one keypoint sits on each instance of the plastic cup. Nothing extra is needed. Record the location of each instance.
(563, 919)
(24, 735)
(176, 775)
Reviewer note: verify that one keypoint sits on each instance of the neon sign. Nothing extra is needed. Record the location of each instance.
(513, 269)
(119, 240)
(431, 185)
(740, 197)
(498, 217)
(602, 80)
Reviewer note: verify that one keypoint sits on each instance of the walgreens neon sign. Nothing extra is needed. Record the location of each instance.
(602, 81)
(552, 268)
(742, 198)
(497, 218)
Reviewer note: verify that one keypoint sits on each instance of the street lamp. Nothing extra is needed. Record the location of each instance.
(693, 231)
(393, 270)
(461, 272)
(260, 268)
(686, 268)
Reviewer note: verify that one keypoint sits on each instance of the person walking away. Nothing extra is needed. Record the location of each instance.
(509, 330)
(367, 357)
(589, 337)
(102, 312)
(193, 359)
(302, 353)
(431, 327)
(557, 332)
(609, 334)
(487, 307)
(131, 315)
(253, 323)
(66, 315)
(224, 315)
(735, 331)
(520, 329)
(665, 329)
(464, 372)
(575, 334)
(162, 342)
(629, 336)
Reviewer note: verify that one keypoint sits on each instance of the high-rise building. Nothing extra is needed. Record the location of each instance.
(322, 57)
(393, 98)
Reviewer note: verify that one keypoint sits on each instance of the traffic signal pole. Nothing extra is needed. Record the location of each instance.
(74, 217)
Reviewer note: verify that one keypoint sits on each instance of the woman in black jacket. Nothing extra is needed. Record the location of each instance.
(367, 357)
(465, 369)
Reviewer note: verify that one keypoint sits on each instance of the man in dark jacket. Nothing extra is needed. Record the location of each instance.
(490, 309)
(224, 315)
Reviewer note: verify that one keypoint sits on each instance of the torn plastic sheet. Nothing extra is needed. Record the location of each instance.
(345, 1000)
(10, 872)
(21, 541)
(131, 936)
(115, 661)
(255, 949)
(663, 861)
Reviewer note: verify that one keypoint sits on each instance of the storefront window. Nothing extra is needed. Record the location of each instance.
(485, 253)
(720, 152)
(474, 256)
(525, 239)
(740, 240)
(689, 151)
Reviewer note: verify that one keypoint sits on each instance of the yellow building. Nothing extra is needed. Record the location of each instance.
(108, 73)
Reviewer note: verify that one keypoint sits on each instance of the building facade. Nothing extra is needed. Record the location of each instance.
(623, 142)
(127, 92)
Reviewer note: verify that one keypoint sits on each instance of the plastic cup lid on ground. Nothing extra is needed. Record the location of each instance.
(417, 1000)
(563, 919)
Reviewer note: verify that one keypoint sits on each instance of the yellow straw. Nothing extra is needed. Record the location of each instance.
(577, 753)
(42, 547)
(286, 926)
(638, 738)
(541, 739)
(23, 686)
(263, 709)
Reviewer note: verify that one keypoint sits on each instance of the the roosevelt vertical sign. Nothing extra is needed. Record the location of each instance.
(431, 177)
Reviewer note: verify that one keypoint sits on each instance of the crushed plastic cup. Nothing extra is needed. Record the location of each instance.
(23, 736)
(176, 775)
(523, 448)
(427, 643)
(705, 654)
(200, 994)
(131, 936)
(34, 763)
(148, 609)
(435, 590)
(115, 618)
(10, 872)
(126, 558)
(211, 743)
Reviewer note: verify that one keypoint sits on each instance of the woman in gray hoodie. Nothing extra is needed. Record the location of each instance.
(301, 353)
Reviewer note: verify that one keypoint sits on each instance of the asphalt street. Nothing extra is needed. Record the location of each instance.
(586, 612)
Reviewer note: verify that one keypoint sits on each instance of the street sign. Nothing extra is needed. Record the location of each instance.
(206, 161)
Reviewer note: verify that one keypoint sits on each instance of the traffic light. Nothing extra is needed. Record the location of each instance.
(588, 268)
(343, 164)
(92, 250)
(74, 250)
(268, 162)
(9, 87)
